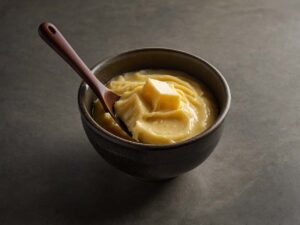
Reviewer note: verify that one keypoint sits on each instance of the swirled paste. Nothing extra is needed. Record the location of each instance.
(159, 106)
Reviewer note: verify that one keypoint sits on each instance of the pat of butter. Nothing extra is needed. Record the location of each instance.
(160, 95)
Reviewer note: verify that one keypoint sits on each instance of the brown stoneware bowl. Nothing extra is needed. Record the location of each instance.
(155, 162)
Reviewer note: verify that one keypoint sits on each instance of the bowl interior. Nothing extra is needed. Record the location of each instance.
(159, 59)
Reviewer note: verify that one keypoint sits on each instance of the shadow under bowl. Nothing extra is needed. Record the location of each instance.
(146, 161)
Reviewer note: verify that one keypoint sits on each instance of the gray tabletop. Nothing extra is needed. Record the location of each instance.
(50, 173)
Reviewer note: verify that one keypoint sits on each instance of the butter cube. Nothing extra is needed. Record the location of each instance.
(160, 95)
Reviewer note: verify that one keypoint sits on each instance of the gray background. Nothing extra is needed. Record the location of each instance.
(49, 172)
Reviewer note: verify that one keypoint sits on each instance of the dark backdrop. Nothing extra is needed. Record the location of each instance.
(49, 172)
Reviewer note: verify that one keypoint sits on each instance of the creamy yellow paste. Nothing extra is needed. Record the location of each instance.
(159, 106)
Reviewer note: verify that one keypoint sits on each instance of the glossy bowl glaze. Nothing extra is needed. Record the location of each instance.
(155, 162)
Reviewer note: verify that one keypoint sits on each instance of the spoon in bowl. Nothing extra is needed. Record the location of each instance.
(52, 36)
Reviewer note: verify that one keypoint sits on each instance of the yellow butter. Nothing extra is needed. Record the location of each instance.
(160, 95)
(159, 106)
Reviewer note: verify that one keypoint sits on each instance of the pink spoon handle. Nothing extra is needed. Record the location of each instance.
(56, 40)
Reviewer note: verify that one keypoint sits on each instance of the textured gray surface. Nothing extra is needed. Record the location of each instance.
(50, 174)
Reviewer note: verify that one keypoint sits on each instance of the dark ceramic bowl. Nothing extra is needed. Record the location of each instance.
(155, 162)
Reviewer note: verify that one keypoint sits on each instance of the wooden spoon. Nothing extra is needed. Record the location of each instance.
(51, 35)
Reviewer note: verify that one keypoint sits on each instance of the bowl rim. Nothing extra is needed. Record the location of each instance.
(114, 138)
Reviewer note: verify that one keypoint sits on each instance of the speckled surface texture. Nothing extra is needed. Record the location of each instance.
(49, 172)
